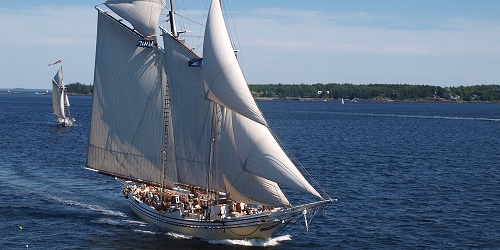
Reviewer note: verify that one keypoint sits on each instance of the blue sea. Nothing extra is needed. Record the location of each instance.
(406, 175)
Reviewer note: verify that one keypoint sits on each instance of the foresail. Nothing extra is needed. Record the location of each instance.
(252, 189)
(250, 148)
(66, 103)
(221, 70)
(57, 105)
(127, 124)
(142, 14)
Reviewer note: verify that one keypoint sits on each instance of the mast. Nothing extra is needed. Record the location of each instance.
(171, 13)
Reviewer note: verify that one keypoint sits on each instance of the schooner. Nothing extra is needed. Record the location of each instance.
(60, 101)
(183, 133)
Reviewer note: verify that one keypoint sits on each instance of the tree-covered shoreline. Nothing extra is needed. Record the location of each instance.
(395, 92)
(79, 89)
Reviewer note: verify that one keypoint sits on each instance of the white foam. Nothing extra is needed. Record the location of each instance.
(135, 222)
(179, 236)
(87, 206)
(144, 231)
(253, 242)
(108, 221)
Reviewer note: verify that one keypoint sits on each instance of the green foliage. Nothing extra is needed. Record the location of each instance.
(78, 88)
(378, 91)
(351, 91)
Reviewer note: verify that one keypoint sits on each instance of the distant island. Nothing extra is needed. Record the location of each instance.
(348, 91)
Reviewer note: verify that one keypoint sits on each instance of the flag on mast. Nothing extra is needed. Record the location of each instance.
(58, 61)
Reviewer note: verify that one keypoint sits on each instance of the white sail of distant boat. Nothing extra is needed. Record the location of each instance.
(60, 101)
(196, 155)
(342, 101)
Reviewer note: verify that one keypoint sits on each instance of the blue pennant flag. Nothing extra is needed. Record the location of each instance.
(195, 62)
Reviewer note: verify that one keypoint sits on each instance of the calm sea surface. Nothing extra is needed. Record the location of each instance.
(406, 176)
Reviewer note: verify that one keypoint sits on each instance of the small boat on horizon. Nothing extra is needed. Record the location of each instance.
(60, 101)
(42, 93)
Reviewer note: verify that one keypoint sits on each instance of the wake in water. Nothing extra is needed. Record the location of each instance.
(254, 242)
(144, 231)
(86, 206)
(248, 243)
(419, 116)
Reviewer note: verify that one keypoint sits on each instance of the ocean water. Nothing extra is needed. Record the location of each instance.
(405, 176)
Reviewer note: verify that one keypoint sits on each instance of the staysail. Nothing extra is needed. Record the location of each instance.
(58, 94)
(221, 70)
(127, 123)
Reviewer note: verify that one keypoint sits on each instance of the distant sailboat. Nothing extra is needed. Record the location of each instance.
(60, 101)
(195, 152)
(342, 101)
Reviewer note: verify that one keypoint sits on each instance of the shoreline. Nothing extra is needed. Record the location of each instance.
(369, 100)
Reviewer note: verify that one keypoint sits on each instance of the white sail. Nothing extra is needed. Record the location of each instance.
(58, 94)
(192, 117)
(221, 70)
(66, 101)
(142, 14)
(257, 150)
(190, 114)
(127, 123)
(243, 185)
(62, 107)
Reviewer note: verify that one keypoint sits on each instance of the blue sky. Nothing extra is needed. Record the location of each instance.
(438, 42)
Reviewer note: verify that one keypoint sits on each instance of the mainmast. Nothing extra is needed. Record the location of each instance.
(171, 13)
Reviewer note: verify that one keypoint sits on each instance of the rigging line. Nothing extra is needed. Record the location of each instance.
(286, 226)
(299, 218)
(233, 29)
(191, 20)
(298, 164)
(184, 25)
(119, 152)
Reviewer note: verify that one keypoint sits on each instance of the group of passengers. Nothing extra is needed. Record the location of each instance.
(190, 203)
